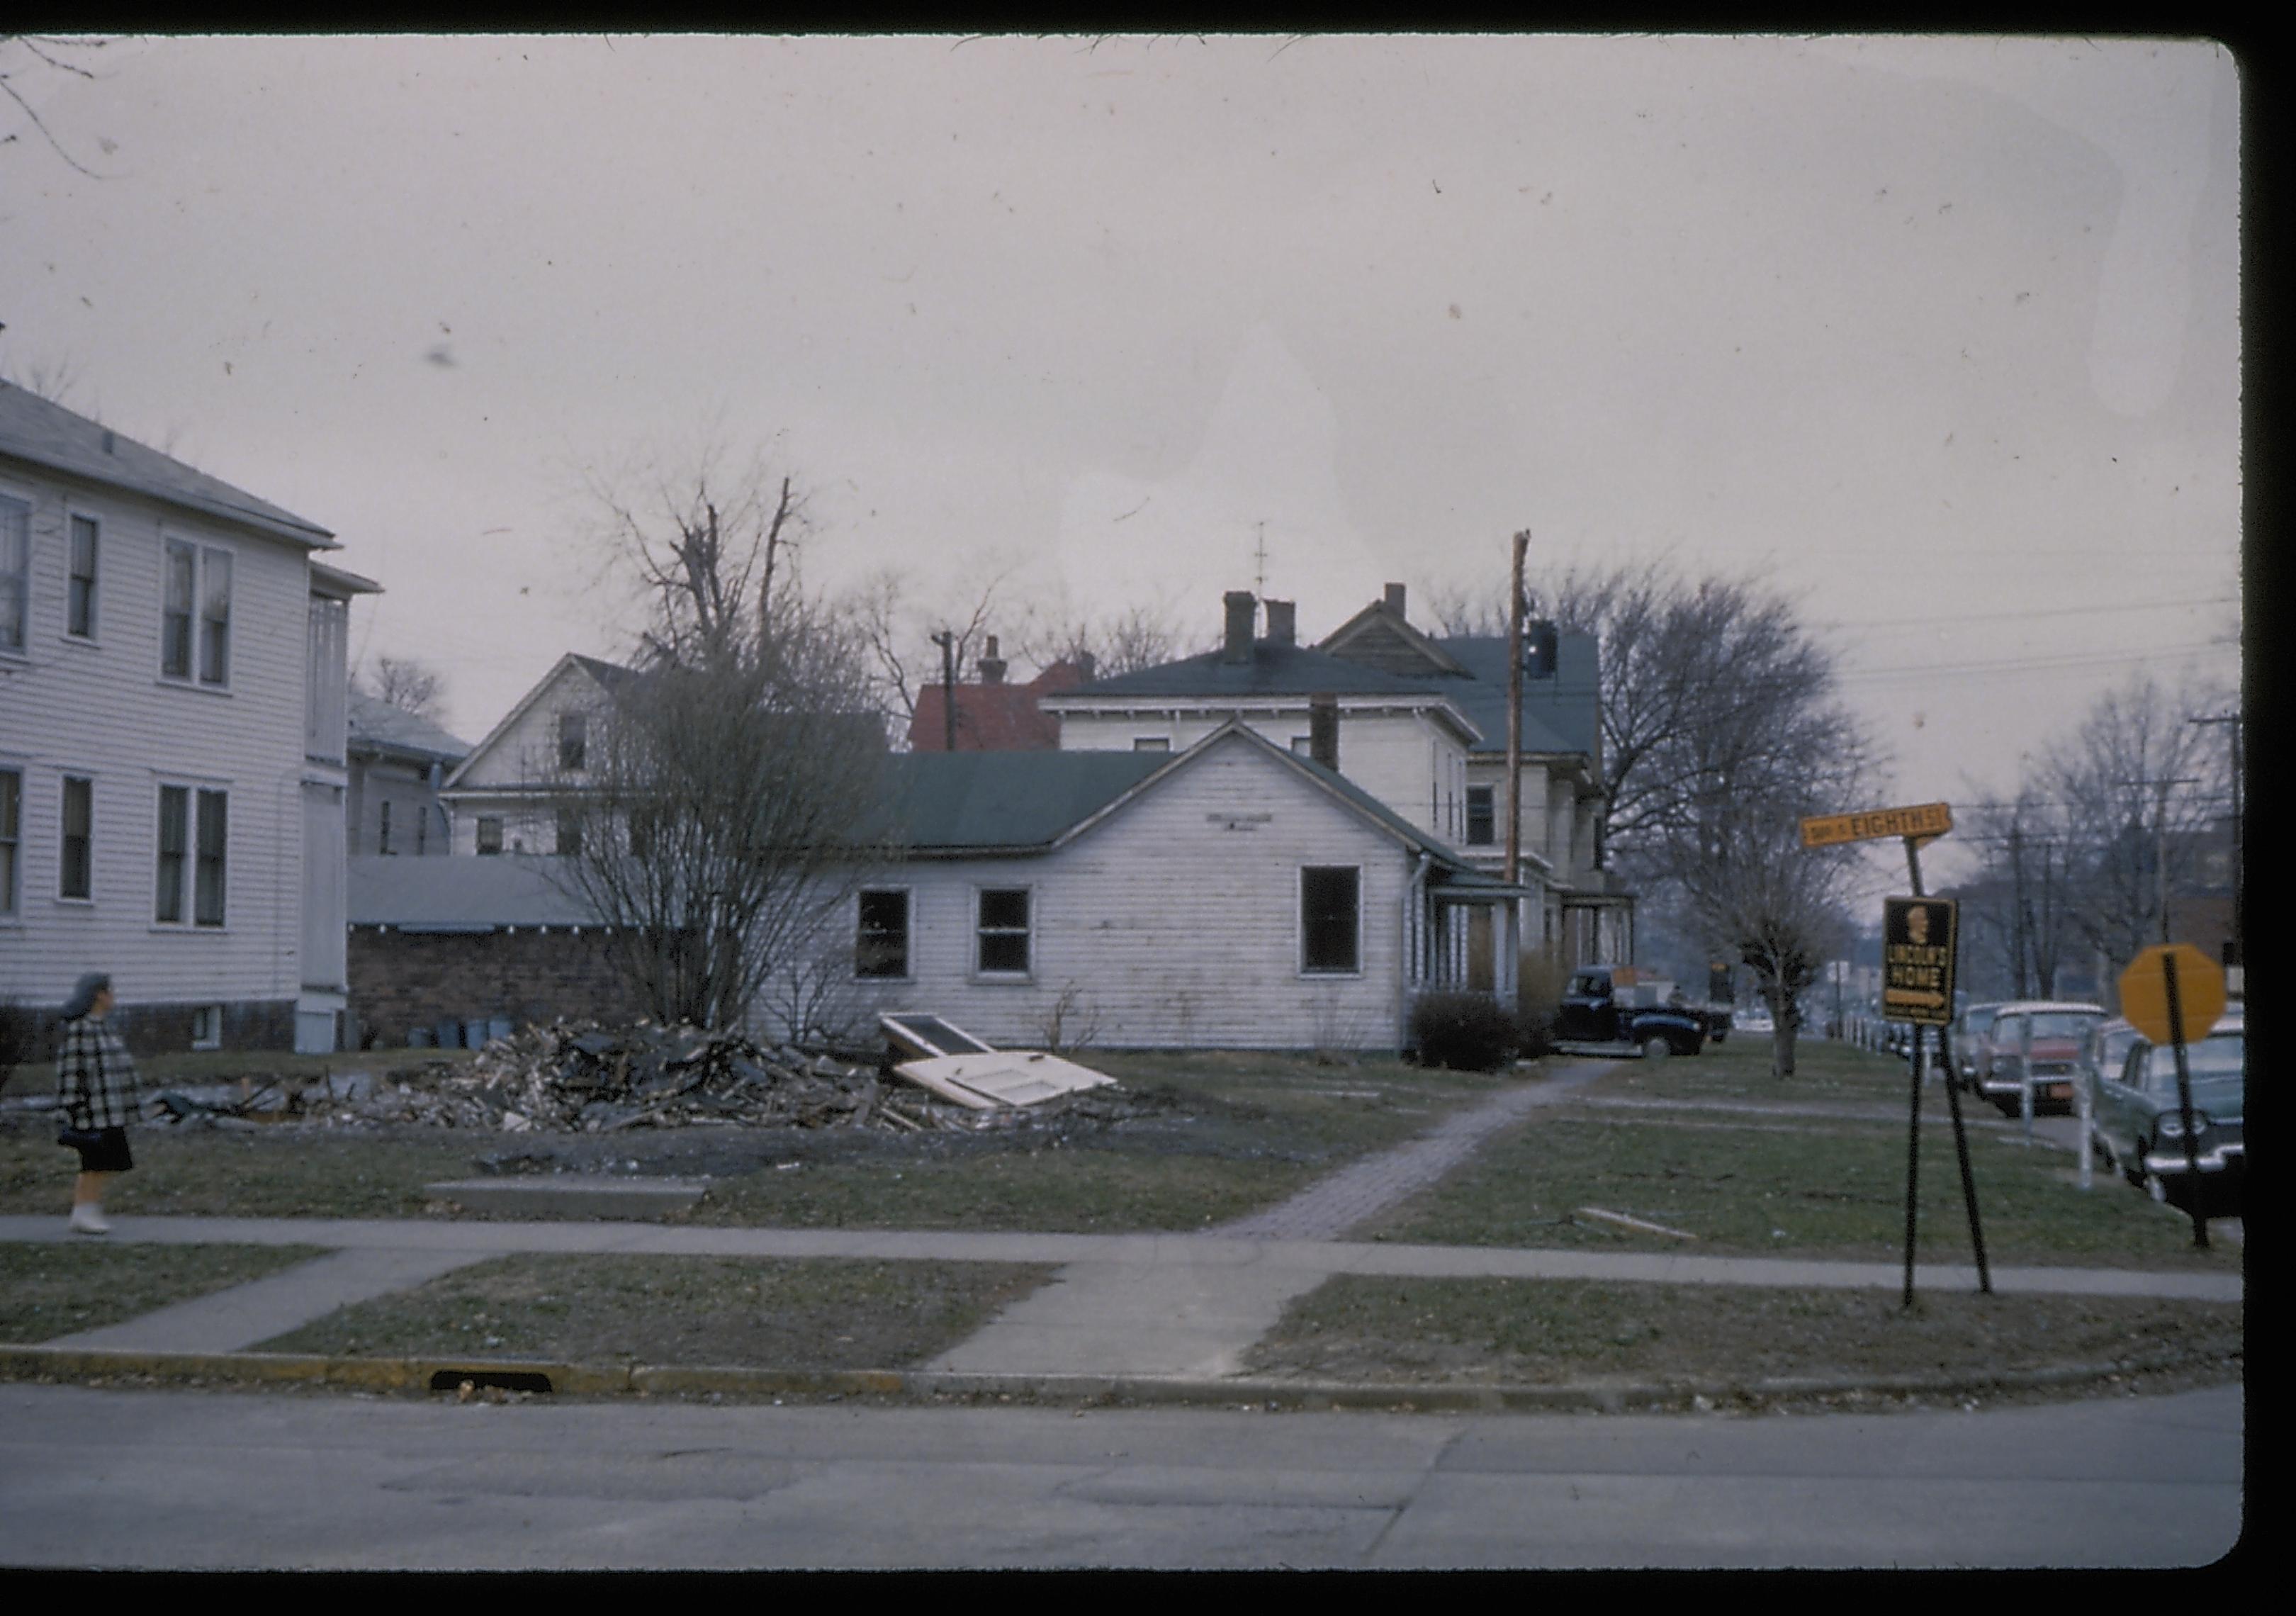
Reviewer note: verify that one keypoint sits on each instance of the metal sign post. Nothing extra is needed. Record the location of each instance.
(1923, 989)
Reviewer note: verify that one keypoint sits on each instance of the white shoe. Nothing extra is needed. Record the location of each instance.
(88, 1220)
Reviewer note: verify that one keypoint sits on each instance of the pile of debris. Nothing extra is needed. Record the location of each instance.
(587, 1079)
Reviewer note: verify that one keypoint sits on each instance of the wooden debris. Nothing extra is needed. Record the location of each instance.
(1634, 1222)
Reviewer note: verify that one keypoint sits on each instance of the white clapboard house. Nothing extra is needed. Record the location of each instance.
(173, 686)
(1418, 722)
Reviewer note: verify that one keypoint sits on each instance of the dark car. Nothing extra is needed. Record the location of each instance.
(1968, 1031)
(2136, 1119)
(1612, 1010)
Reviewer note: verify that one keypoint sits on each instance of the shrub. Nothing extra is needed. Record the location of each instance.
(1463, 1031)
(1539, 978)
(20, 1036)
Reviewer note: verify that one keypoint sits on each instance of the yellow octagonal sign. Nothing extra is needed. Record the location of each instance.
(2200, 992)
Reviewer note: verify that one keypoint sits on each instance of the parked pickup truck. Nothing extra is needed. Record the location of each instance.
(1618, 1010)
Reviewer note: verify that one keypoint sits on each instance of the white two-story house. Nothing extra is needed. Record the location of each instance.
(172, 692)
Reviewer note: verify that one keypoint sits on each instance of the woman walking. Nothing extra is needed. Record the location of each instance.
(98, 1093)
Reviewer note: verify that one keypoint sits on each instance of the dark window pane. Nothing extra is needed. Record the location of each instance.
(176, 639)
(208, 899)
(215, 621)
(1482, 820)
(175, 840)
(1004, 932)
(80, 605)
(882, 947)
(1328, 918)
(489, 834)
(569, 832)
(573, 737)
(80, 804)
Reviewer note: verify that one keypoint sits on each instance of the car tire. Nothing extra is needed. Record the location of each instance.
(1656, 1048)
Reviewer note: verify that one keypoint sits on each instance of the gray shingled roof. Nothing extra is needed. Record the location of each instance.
(461, 893)
(378, 725)
(45, 434)
(1273, 670)
(1559, 714)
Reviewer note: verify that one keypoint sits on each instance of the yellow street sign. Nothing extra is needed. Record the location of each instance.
(1828, 829)
(2199, 993)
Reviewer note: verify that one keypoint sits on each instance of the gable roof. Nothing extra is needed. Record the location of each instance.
(607, 675)
(376, 726)
(1382, 638)
(48, 435)
(960, 804)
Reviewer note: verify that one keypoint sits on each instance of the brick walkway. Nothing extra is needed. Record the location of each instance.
(1330, 1207)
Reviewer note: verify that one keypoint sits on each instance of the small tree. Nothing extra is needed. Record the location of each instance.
(722, 812)
(407, 684)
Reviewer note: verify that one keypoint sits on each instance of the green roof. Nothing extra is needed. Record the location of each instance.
(947, 802)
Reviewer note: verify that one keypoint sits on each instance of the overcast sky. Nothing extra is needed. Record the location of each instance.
(1942, 336)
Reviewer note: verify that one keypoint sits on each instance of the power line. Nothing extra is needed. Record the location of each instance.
(2002, 617)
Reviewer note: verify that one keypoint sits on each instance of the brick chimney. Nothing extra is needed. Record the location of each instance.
(992, 666)
(1394, 602)
(1241, 611)
(1283, 622)
(1323, 731)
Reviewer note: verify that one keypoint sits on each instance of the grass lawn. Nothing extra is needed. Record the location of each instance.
(1786, 1186)
(1216, 1135)
(46, 1291)
(1739, 1069)
(1534, 1332)
(820, 1314)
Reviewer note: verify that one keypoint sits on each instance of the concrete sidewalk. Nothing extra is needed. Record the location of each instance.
(1179, 1310)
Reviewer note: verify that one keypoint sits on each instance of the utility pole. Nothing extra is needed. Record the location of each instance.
(947, 640)
(2232, 721)
(2017, 906)
(2161, 841)
(1514, 715)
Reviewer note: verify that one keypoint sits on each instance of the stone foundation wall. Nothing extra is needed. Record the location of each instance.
(150, 1029)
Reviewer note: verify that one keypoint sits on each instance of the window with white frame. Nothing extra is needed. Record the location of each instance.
(193, 846)
(15, 571)
(1331, 905)
(195, 613)
(569, 832)
(1002, 934)
(490, 833)
(1482, 817)
(207, 1027)
(79, 598)
(573, 739)
(881, 943)
(75, 871)
(11, 823)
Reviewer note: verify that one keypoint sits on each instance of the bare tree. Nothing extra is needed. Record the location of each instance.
(1116, 643)
(716, 815)
(2139, 785)
(408, 685)
(1708, 685)
(23, 55)
(903, 635)
(2016, 920)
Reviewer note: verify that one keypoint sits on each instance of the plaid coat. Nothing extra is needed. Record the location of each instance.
(95, 1080)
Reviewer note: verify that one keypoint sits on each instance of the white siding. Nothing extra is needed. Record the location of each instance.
(1406, 760)
(99, 709)
(1167, 927)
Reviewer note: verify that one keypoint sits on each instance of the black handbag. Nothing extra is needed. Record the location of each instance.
(78, 1138)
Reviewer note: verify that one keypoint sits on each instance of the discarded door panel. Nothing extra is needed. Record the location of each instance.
(957, 1066)
(1002, 1076)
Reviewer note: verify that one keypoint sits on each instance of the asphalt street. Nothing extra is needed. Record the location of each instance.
(216, 1480)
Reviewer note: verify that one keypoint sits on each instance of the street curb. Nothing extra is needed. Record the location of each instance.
(1082, 1390)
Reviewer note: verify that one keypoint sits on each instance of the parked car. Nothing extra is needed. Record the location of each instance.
(1615, 1010)
(2040, 1042)
(1756, 1019)
(1968, 1034)
(2137, 1120)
